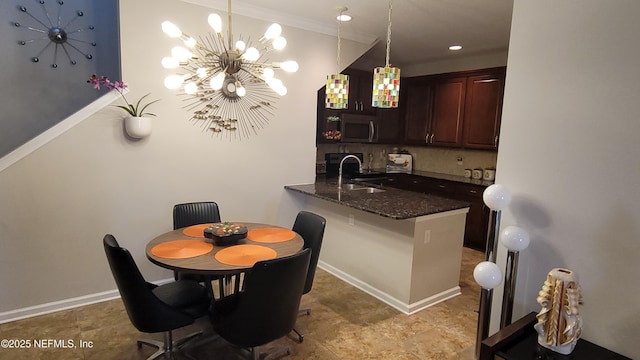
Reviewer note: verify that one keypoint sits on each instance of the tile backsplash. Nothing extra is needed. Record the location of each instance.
(440, 160)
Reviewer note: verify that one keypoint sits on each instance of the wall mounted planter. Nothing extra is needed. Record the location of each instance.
(138, 127)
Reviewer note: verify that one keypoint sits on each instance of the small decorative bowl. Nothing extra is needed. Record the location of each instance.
(225, 234)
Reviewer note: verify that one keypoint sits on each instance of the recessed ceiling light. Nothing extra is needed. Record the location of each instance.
(455, 47)
(343, 17)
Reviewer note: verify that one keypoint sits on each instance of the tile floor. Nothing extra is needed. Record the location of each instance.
(345, 323)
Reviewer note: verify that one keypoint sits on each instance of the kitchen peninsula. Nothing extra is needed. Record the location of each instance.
(402, 247)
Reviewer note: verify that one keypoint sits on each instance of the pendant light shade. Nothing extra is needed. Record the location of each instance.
(386, 87)
(337, 89)
(386, 80)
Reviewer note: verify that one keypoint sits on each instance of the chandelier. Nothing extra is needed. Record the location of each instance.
(386, 80)
(229, 87)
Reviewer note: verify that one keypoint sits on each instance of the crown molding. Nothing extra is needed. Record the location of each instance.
(265, 14)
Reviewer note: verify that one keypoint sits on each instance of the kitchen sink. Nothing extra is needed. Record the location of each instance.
(356, 187)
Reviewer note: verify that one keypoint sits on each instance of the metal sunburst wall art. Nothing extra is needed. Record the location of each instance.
(230, 87)
(58, 31)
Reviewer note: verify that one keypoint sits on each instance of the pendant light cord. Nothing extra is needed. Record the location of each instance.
(229, 30)
(339, 44)
(388, 35)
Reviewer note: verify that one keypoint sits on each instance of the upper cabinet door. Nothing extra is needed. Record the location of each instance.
(448, 110)
(360, 91)
(483, 108)
(416, 101)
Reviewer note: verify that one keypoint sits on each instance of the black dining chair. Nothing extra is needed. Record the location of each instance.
(311, 227)
(194, 213)
(267, 307)
(153, 308)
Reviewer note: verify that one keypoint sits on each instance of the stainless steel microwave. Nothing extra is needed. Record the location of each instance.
(359, 128)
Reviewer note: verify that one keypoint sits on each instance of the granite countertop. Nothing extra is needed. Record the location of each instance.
(392, 203)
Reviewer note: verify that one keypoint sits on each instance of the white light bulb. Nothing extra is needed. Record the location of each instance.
(497, 197)
(514, 238)
(181, 54)
(279, 43)
(281, 90)
(268, 73)
(273, 31)
(240, 45)
(173, 81)
(170, 63)
(190, 88)
(240, 90)
(215, 22)
(252, 54)
(217, 81)
(289, 66)
(202, 73)
(171, 29)
(190, 42)
(487, 275)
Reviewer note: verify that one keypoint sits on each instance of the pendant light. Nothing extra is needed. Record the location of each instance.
(337, 89)
(386, 80)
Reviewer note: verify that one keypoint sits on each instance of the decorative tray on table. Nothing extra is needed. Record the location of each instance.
(225, 233)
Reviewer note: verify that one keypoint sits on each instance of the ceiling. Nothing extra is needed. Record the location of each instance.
(421, 30)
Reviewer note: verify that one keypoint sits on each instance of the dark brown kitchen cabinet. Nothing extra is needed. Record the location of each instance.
(360, 90)
(483, 108)
(477, 224)
(416, 100)
(461, 110)
(388, 126)
(448, 111)
(433, 111)
(475, 232)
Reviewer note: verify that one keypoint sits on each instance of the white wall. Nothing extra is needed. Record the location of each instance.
(569, 153)
(57, 203)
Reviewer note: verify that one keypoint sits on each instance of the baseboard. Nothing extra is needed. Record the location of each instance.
(399, 305)
(42, 309)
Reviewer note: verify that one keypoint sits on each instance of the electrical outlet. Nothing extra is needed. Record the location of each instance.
(351, 220)
(427, 236)
(459, 160)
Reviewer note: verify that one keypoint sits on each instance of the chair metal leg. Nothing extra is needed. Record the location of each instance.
(168, 346)
(300, 337)
(305, 311)
(282, 352)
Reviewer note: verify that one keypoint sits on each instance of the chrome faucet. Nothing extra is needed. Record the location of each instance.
(340, 170)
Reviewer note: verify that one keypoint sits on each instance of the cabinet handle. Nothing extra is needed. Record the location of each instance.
(361, 106)
(442, 186)
(495, 141)
(432, 135)
(426, 139)
(372, 131)
(473, 191)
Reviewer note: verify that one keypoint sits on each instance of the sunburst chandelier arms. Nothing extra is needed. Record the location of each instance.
(230, 88)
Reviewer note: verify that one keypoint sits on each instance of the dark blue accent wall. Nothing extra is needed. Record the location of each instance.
(34, 96)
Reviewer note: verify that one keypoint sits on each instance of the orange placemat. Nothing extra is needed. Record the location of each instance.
(195, 230)
(270, 235)
(181, 249)
(245, 255)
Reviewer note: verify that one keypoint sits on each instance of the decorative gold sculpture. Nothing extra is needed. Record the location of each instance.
(559, 324)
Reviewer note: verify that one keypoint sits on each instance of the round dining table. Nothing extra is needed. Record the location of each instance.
(187, 250)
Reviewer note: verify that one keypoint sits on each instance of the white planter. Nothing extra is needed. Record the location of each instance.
(138, 127)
